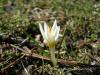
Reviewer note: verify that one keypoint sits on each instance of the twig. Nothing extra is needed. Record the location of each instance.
(12, 63)
(16, 47)
(60, 61)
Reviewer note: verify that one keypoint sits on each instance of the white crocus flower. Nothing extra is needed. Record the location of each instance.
(50, 34)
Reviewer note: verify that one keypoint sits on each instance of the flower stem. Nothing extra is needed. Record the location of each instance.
(53, 58)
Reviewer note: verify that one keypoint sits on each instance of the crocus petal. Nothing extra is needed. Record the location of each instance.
(60, 35)
(46, 30)
(54, 26)
(55, 31)
(41, 30)
(57, 34)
